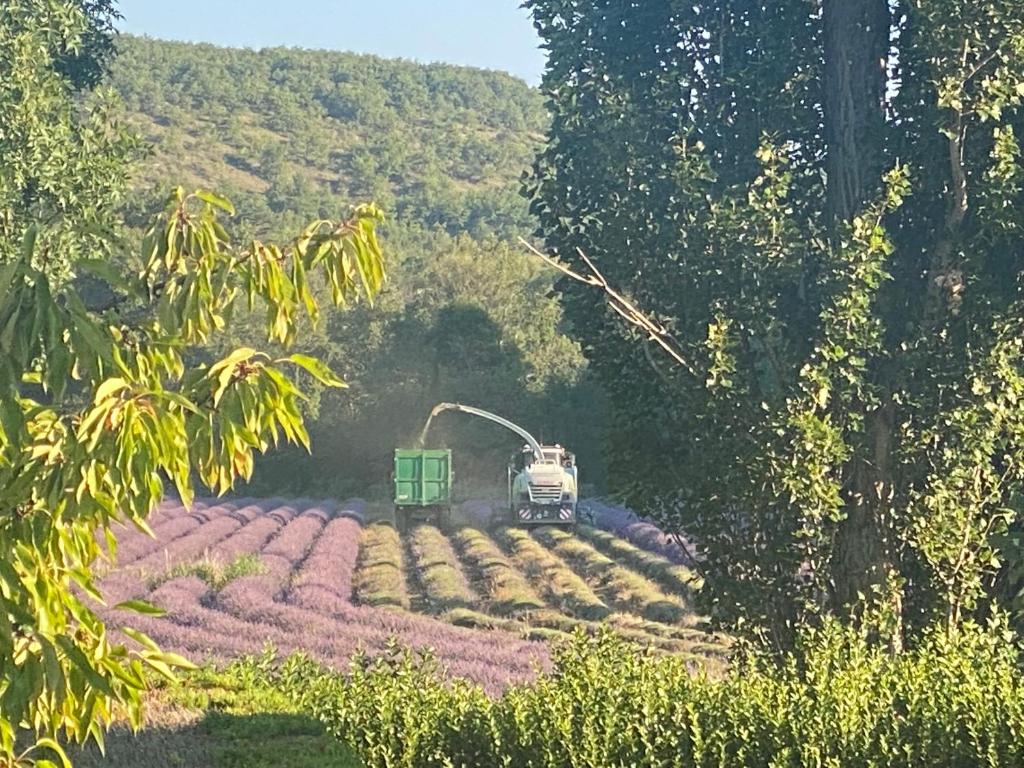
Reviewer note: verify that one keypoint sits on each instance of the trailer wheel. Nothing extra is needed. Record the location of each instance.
(444, 519)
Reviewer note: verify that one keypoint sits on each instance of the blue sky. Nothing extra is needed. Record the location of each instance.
(495, 34)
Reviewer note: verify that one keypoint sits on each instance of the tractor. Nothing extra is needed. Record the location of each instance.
(542, 479)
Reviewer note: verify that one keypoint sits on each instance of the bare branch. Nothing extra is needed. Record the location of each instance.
(655, 331)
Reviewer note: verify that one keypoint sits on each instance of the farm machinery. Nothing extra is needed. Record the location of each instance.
(542, 479)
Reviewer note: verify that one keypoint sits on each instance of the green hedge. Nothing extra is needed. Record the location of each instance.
(837, 702)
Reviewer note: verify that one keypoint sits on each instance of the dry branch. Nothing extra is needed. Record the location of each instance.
(622, 306)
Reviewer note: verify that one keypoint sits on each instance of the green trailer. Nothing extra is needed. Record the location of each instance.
(423, 486)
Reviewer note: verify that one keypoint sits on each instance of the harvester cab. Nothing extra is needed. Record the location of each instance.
(543, 490)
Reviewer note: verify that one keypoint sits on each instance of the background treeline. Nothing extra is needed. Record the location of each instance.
(291, 135)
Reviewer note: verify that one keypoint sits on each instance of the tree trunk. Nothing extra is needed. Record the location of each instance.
(863, 551)
(856, 50)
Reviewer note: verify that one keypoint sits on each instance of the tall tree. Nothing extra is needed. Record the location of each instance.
(98, 413)
(86, 62)
(817, 205)
(855, 46)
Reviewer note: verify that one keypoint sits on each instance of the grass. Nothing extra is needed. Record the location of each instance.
(215, 573)
(676, 578)
(618, 585)
(379, 579)
(505, 590)
(437, 567)
(220, 719)
(557, 582)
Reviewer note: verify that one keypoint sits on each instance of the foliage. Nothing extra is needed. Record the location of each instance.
(842, 284)
(288, 134)
(89, 60)
(837, 700)
(98, 406)
(62, 169)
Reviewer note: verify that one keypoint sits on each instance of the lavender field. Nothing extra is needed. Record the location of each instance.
(237, 575)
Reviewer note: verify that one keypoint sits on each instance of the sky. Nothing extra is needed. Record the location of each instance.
(493, 34)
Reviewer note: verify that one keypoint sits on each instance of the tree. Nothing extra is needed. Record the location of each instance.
(86, 62)
(818, 208)
(98, 411)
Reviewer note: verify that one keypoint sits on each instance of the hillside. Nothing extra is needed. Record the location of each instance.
(290, 133)
(291, 136)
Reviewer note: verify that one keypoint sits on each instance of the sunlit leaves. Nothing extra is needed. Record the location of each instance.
(98, 411)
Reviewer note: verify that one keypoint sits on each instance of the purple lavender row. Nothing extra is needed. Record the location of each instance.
(199, 541)
(249, 538)
(291, 545)
(492, 658)
(133, 544)
(644, 534)
(176, 521)
(326, 575)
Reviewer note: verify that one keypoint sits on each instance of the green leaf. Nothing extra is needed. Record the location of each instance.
(317, 369)
(216, 200)
(109, 388)
(79, 659)
(53, 746)
(140, 606)
(28, 242)
(141, 638)
(104, 270)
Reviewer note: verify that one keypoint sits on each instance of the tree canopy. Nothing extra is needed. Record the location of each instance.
(99, 414)
(821, 204)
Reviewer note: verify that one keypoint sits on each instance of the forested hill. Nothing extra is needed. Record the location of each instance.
(288, 133)
(292, 135)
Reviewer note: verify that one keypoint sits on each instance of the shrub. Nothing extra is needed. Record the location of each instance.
(836, 701)
(395, 710)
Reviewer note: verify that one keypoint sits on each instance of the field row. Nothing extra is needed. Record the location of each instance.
(235, 576)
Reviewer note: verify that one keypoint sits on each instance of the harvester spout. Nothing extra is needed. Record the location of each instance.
(441, 407)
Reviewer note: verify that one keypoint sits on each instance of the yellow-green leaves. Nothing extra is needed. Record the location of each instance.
(139, 417)
(317, 370)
